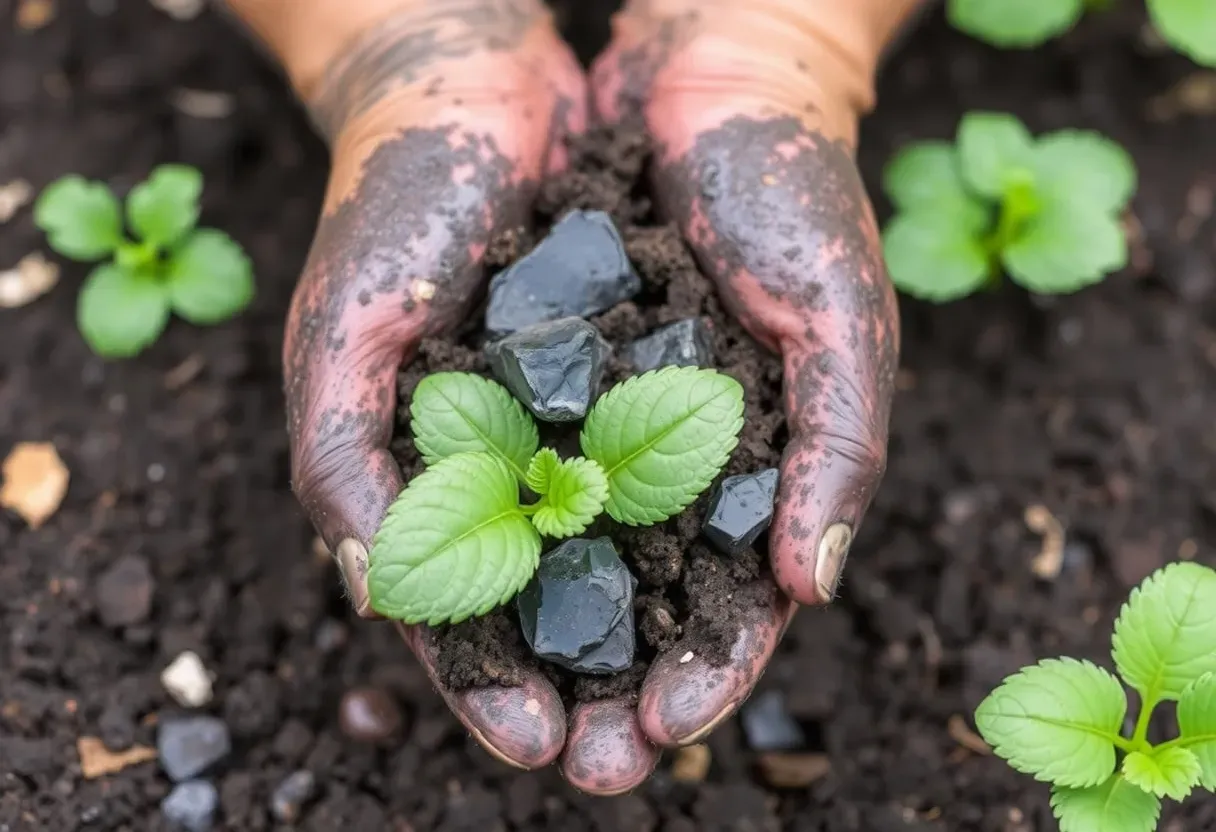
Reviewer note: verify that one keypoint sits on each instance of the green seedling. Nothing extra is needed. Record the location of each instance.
(459, 541)
(1045, 211)
(1062, 720)
(1187, 25)
(200, 274)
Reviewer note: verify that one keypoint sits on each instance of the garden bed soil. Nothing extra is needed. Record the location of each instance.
(1097, 407)
(689, 596)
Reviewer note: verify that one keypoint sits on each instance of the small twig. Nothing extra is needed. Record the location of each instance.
(961, 733)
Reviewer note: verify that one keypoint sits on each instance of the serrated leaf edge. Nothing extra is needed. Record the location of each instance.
(433, 619)
(1122, 625)
(592, 428)
(1000, 748)
(598, 492)
(1157, 789)
(431, 458)
(1059, 795)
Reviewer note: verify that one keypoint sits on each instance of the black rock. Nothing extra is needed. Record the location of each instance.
(740, 510)
(554, 368)
(292, 795)
(768, 725)
(685, 343)
(191, 806)
(580, 269)
(577, 611)
(191, 746)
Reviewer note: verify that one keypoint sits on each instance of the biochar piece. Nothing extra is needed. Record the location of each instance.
(580, 269)
(685, 343)
(577, 611)
(554, 368)
(740, 509)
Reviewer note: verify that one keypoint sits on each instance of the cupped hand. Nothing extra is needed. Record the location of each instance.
(442, 119)
(753, 110)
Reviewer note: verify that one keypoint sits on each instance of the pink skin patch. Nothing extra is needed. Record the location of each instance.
(607, 753)
(683, 699)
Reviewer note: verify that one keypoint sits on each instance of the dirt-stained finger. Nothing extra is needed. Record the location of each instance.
(607, 753)
(522, 726)
(684, 697)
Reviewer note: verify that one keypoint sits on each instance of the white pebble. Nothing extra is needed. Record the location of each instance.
(686, 658)
(188, 681)
(29, 280)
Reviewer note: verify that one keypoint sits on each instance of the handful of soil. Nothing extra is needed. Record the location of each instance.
(649, 302)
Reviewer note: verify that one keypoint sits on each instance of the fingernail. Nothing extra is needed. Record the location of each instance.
(352, 563)
(833, 549)
(709, 727)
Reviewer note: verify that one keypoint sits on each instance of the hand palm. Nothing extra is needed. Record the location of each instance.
(776, 216)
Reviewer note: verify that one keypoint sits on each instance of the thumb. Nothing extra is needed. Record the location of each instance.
(754, 111)
(837, 401)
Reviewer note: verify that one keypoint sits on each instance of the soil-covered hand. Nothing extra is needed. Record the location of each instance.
(754, 109)
(442, 115)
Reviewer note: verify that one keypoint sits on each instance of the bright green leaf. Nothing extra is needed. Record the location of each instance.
(1188, 25)
(1165, 636)
(1166, 772)
(1086, 167)
(1114, 806)
(1014, 24)
(453, 545)
(574, 494)
(454, 413)
(120, 312)
(165, 206)
(1065, 248)
(209, 277)
(541, 469)
(933, 256)
(927, 175)
(661, 438)
(994, 150)
(1056, 720)
(1197, 725)
(82, 219)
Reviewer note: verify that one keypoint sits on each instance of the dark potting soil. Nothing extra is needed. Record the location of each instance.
(1097, 407)
(688, 594)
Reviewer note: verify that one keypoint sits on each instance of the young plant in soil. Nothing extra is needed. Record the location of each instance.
(459, 541)
(1045, 211)
(1187, 25)
(1062, 720)
(202, 275)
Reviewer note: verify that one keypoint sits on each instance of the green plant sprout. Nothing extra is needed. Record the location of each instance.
(458, 541)
(1045, 211)
(124, 305)
(1061, 720)
(1187, 25)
